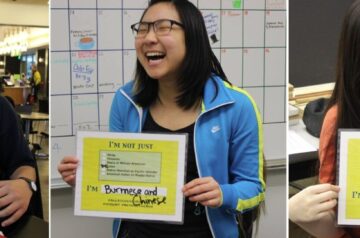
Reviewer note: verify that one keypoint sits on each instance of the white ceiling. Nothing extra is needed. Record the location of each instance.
(5, 29)
(41, 2)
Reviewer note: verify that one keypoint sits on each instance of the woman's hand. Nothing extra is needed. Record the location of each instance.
(67, 169)
(314, 203)
(205, 191)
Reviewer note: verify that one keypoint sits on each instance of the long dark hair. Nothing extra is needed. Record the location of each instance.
(198, 65)
(346, 94)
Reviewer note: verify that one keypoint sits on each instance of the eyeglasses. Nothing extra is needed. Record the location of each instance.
(161, 27)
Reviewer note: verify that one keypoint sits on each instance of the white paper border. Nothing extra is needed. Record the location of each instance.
(180, 138)
(344, 136)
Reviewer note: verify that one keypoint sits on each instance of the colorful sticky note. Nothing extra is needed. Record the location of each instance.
(237, 4)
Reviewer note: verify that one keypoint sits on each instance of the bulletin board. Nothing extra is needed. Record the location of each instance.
(93, 54)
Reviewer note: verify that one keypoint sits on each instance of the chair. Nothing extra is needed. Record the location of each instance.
(44, 105)
(37, 145)
(43, 108)
(23, 108)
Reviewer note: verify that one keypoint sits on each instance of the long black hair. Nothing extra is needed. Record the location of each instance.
(346, 94)
(198, 65)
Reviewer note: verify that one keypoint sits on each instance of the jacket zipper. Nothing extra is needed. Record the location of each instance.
(196, 159)
(138, 109)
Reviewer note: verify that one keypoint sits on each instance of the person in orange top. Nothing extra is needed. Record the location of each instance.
(314, 207)
(327, 147)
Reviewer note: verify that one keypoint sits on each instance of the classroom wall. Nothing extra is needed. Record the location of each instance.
(314, 31)
(272, 223)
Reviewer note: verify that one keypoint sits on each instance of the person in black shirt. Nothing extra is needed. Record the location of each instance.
(16, 167)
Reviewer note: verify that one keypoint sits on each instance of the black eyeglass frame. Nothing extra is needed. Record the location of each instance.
(136, 30)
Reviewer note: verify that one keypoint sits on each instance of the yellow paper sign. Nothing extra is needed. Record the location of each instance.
(353, 180)
(128, 175)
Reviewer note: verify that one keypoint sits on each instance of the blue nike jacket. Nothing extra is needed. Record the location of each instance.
(228, 147)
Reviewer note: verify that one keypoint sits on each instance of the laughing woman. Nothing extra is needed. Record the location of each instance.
(180, 87)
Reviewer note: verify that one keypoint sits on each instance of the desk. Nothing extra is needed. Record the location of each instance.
(17, 93)
(303, 152)
(34, 116)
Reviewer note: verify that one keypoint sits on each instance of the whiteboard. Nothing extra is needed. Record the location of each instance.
(93, 54)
